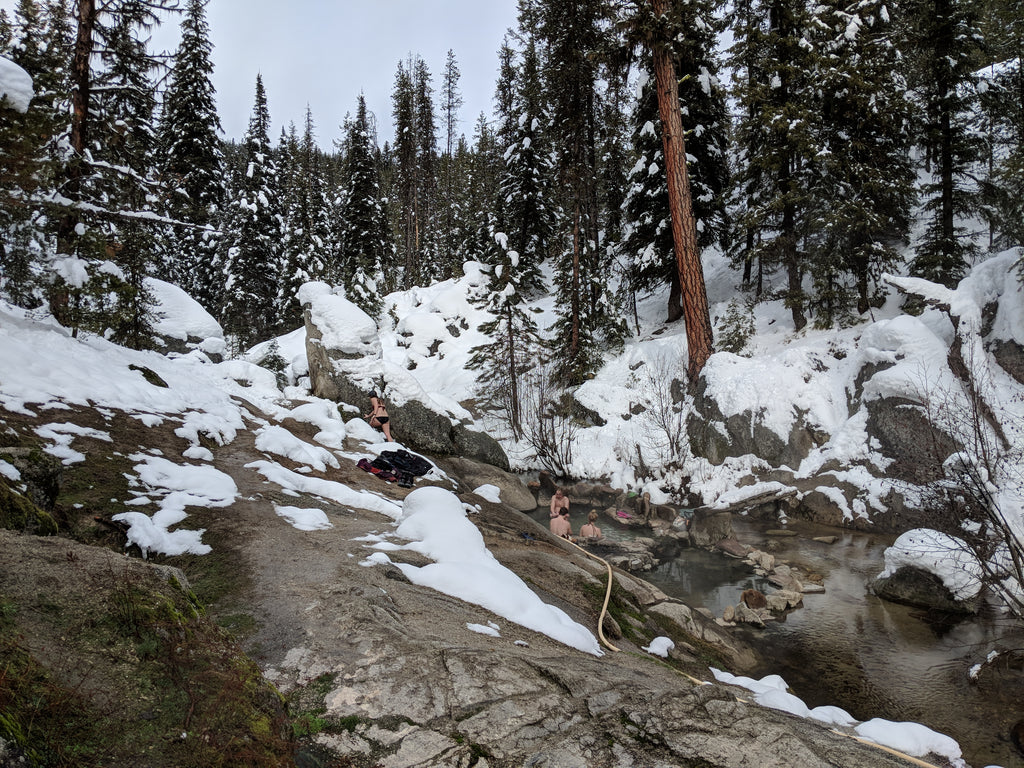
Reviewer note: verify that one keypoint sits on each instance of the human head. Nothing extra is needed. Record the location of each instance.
(559, 492)
(592, 516)
(563, 511)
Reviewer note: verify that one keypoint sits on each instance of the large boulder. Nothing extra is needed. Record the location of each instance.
(922, 589)
(905, 434)
(708, 527)
(472, 474)
(345, 365)
(1010, 356)
(718, 432)
(181, 324)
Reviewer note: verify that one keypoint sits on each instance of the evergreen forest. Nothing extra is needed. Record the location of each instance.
(826, 143)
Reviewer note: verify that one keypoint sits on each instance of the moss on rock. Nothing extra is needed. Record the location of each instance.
(18, 513)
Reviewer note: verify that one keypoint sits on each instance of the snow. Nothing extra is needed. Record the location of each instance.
(331, 490)
(490, 492)
(179, 316)
(304, 519)
(15, 85)
(945, 556)
(279, 441)
(490, 628)
(660, 646)
(343, 325)
(912, 739)
(434, 523)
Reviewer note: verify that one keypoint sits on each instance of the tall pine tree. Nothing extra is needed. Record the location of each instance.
(251, 243)
(945, 39)
(863, 177)
(573, 36)
(777, 100)
(363, 217)
(192, 162)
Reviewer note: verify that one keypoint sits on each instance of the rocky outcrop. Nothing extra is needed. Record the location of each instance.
(717, 437)
(709, 527)
(1010, 356)
(40, 473)
(472, 474)
(905, 434)
(344, 366)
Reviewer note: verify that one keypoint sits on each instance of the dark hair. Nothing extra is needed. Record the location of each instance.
(373, 395)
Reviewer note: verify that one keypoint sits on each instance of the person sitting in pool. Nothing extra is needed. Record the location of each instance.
(589, 530)
(558, 502)
(560, 526)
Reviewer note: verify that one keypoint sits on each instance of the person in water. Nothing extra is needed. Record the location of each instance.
(559, 502)
(560, 525)
(589, 530)
(378, 416)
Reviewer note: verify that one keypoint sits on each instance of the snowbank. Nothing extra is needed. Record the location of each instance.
(945, 556)
(434, 523)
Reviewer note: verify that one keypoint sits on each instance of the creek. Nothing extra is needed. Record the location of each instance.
(850, 649)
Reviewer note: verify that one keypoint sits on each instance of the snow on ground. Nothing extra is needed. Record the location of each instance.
(912, 739)
(304, 519)
(434, 523)
(176, 486)
(420, 351)
(660, 646)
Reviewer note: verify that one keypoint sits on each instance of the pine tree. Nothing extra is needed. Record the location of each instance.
(192, 162)
(363, 216)
(37, 40)
(123, 154)
(430, 266)
(648, 244)
(588, 319)
(406, 177)
(306, 225)
(526, 182)
(514, 336)
(448, 205)
(863, 177)
(252, 233)
(775, 143)
(944, 37)
(479, 166)
(1004, 111)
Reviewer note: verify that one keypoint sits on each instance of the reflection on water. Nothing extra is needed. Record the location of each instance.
(850, 649)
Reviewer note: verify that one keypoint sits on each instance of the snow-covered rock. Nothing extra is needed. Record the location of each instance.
(346, 364)
(15, 85)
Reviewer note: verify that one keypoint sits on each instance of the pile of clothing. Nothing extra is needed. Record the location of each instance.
(397, 466)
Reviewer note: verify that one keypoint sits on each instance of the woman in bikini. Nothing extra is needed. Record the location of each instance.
(378, 416)
(589, 530)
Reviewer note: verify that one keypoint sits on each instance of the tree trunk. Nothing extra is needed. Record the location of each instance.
(67, 228)
(699, 336)
(80, 91)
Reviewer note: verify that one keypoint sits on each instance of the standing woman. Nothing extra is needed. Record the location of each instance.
(378, 416)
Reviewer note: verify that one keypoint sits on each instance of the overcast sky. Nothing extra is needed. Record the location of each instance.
(324, 52)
